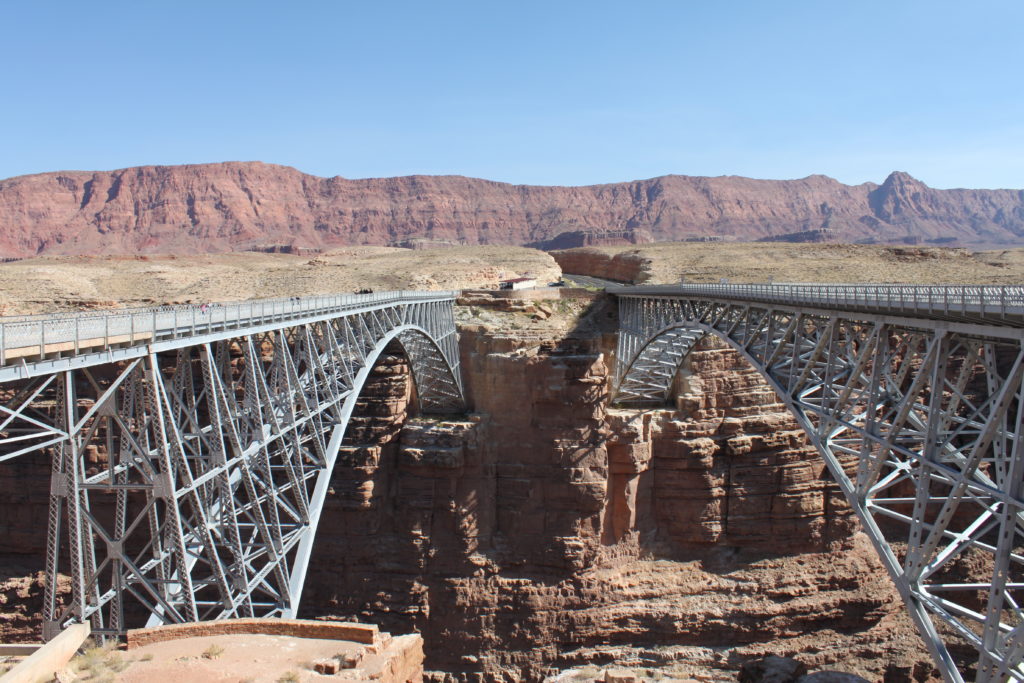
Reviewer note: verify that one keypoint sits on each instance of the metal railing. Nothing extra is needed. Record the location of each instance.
(68, 333)
(998, 302)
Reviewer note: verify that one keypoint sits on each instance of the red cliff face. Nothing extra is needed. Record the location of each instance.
(237, 206)
(547, 530)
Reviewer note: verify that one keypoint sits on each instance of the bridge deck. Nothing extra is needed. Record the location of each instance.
(991, 305)
(912, 395)
(36, 344)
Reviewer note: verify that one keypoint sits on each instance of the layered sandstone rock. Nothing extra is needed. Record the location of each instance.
(235, 206)
(545, 531)
(548, 532)
(24, 505)
(22, 585)
(626, 267)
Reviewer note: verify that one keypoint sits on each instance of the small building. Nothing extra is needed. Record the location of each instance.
(519, 283)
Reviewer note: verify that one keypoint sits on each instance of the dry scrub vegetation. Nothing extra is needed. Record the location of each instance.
(99, 663)
(64, 283)
(759, 262)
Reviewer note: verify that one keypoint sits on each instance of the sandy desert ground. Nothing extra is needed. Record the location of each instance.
(67, 283)
(760, 262)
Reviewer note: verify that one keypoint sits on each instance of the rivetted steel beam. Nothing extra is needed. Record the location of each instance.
(192, 447)
(922, 386)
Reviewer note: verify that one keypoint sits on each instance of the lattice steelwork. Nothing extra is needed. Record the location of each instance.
(188, 480)
(919, 421)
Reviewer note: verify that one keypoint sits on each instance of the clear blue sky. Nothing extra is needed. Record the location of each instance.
(529, 92)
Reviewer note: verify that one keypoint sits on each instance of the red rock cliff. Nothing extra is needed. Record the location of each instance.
(547, 530)
(235, 206)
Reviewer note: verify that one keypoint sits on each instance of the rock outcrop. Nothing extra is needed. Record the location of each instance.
(628, 267)
(548, 532)
(234, 206)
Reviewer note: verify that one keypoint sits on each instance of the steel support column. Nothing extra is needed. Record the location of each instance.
(918, 416)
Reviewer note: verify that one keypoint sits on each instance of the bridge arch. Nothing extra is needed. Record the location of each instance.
(919, 421)
(191, 452)
(433, 377)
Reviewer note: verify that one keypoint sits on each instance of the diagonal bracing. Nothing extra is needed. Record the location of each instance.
(919, 420)
(188, 474)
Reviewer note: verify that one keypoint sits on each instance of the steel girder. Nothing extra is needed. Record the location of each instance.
(187, 484)
(920, 423)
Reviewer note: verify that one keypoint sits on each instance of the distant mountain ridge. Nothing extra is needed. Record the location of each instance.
(234, 206)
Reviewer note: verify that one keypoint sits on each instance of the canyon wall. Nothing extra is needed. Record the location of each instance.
(544, 530)
(232, 206)
(24, 505)
(631, 268)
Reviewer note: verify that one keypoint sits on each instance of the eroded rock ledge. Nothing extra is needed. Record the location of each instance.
(546, 531)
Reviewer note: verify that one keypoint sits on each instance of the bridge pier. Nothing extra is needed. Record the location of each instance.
(190, 468)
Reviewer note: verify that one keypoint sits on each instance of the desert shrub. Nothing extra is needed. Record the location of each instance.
(99, 662)
(213, 651)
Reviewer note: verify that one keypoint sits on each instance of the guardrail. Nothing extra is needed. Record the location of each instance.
(984, 300)
(38, 335)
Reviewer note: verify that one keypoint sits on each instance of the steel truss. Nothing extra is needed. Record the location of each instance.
(919, 422)
(187, 483)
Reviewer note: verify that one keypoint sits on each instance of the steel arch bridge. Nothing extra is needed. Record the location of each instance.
(192, 447)
(913, 397)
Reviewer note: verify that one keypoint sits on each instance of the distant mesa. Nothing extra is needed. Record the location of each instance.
(241, 206)
(283, 249)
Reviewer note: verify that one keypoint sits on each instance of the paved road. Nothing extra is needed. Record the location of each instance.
(588, 281)
(69, 332)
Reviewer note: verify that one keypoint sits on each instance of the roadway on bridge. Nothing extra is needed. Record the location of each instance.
(589, 281)
(1001, 306)
(48, 342)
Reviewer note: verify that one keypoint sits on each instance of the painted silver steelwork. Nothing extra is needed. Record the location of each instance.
(220, 427)
(913, 397)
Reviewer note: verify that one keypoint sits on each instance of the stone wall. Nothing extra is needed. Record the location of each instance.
(296, 628)
(378, 657)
